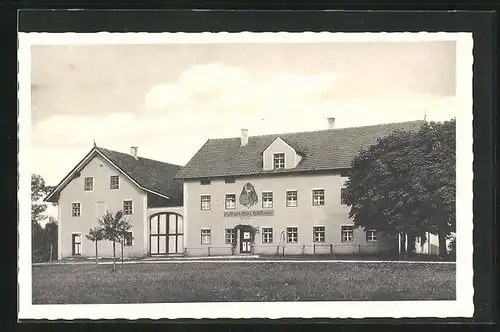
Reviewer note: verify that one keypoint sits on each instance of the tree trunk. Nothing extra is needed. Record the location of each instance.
(96, 254)
(442, 245)
(122, 253)
(50, 259)
(114, 256)
(411, 244)
(403, 244)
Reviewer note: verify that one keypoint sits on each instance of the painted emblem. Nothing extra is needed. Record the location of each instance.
(248, 196)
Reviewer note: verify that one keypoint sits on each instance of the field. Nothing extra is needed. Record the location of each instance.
(242, 281)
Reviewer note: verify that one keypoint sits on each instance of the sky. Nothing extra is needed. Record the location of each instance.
(168, 99)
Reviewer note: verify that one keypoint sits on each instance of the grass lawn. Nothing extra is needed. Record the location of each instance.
(209, 281)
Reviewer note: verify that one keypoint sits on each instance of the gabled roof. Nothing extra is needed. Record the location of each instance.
(322, 150)
(153, 176)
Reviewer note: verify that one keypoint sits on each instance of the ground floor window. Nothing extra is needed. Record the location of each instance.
(128, 239)
(267, 235)
(206, 236)
(292, 234)
(371, 235)
(347, 233)
(319, 234)
(229, 236)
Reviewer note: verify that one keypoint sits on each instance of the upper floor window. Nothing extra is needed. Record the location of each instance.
(279, 160)
(267, 199)
(127, 207)
(291, 198)
(76, 209)
(128, 239)
(319, 234)
(229, 180)
(114, 182)
(371, 235)
(342, 193)
(89, 184)
(318, 197)
(205, 182)
(205, 202)
(347, 233)
(230, 201)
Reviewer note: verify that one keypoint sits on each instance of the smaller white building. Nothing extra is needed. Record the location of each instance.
(105, 180)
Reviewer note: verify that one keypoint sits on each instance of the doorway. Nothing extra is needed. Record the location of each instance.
(245, 242)
(166, 234)
(76, 244)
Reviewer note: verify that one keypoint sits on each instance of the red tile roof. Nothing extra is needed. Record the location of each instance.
(322, 150)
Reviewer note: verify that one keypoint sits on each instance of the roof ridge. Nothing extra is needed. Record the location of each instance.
(322, 130)
(144, 158)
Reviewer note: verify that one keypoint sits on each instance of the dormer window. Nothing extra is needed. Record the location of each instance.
(279, 160)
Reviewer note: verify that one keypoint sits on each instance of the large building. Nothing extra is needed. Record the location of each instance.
(144, 189)
(266, 195)
(278, 194)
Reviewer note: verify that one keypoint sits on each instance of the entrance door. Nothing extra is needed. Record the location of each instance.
(245, 243)
(76, 244)
(166, 233)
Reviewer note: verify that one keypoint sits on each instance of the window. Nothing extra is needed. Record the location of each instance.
(342, 193)
(89, 184)
(205, 202)
(206, 236)
(229, 180)
(114, 182)
(319, 234)
(318, 197)
(229, 235)
(205, 182)
(267, 235)
(230, 201)
(279, 160)
(76, 209)
(371, 235)
(292, 234)
(127, 207)
(418, 240)
(291, 198)
(267, 199)
(347, 233)
(128, 239)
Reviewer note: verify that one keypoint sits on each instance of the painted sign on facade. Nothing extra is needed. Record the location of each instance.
(254, 213)
(248, 196)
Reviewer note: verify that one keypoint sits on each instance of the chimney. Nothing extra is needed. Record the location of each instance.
(133, 151)
(331, 123)
(244, 137)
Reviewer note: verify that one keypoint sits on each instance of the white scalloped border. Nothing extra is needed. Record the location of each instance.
(462, 307)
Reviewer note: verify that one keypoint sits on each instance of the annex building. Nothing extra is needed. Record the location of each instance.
(105, 180)
(279, 194)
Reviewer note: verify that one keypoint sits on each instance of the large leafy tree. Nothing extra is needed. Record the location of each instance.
(405, 184)
(113, 227)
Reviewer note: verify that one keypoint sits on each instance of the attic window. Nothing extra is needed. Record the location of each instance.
(205, 182)
(279, 160)
(229, 180)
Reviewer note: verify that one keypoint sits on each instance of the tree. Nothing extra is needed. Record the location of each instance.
(114, 228)
(38, 190)
(50, 232)
(96, 234)
(405, 184)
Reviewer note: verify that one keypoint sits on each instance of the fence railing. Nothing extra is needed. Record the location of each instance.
(290, 249)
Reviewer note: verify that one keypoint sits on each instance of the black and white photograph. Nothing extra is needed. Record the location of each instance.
(245, 175)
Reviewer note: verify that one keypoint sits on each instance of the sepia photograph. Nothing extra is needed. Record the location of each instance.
(291, 174)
